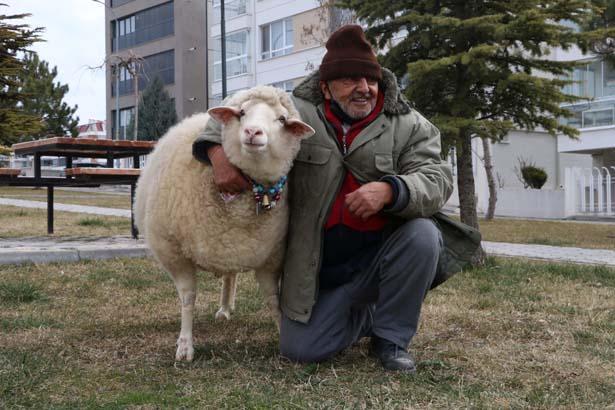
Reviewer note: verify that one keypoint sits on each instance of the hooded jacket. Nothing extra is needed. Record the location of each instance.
(399, 143)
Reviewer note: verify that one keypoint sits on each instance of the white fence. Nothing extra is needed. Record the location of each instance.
(590, 191)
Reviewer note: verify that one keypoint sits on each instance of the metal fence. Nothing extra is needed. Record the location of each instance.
(591, 190)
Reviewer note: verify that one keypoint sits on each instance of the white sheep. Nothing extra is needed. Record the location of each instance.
(186, 223)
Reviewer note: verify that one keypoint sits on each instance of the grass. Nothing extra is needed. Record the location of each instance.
(84, 197)
(24, 222)
(101, 334)
(555, 233)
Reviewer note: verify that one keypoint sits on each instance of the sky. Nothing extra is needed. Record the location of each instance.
(74, 39)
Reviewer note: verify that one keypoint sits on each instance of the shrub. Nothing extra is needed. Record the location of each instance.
(530, 175)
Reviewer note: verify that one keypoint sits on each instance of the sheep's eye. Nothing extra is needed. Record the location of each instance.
(241, 113)
(282, 119)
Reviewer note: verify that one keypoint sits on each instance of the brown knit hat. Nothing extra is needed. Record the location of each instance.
(349, 55)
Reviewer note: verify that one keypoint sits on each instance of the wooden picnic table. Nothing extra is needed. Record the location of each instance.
(71, 148)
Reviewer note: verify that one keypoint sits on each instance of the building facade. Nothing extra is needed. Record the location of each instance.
(273, 42)
(154, 38)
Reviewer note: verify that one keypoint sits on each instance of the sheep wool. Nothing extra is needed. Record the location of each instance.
(189, 227)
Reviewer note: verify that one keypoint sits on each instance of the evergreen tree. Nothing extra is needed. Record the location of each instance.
(15, 38)
(156, 112)
(478, 68)
(43, 97)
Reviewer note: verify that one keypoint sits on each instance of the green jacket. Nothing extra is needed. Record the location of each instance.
(398, 142)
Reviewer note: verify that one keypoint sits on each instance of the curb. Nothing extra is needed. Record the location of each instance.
(45, 255)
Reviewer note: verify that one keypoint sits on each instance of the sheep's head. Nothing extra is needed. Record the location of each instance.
(261, 132)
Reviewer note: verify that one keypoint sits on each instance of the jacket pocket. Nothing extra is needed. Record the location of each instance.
(310, 170)
(384, 164)
(311, 154)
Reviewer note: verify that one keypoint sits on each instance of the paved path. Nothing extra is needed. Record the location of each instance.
(46, 249)
(96, 210)
(69, 249)
(551, 253)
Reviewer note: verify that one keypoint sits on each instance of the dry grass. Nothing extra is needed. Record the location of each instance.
(108, 200)
(102, 334)
(23, 222)
(556, 233)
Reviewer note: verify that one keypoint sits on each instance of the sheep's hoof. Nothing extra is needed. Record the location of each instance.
(185, 351)
(223, 314)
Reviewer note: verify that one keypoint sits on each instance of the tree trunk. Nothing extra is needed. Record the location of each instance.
(493, 192)
(465, 185)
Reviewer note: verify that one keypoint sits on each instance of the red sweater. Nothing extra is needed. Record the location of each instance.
(340, 213)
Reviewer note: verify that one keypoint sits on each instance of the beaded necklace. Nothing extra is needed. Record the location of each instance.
(267, 198)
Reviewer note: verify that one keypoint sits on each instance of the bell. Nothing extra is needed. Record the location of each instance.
(266, 201)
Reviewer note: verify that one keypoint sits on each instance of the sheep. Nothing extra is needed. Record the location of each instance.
(187, 224)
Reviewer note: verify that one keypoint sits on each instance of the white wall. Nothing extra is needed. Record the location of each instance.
(531, 203)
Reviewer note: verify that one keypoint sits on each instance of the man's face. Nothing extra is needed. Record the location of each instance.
(356, 96)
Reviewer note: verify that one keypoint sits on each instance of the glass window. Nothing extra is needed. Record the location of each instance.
(598, 118)
(232, 8)
(287, 86)
(277, 38)
(609, 79)
(161, 65)
(144, 26)
(237, 55)
(126, 115)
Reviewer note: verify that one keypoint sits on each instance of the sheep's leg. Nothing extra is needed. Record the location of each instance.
(227, 297)
(183, 273)
(268, 284)
(185, 282)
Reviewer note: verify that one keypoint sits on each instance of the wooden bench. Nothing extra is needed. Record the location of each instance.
(105, 175)
(10, 172)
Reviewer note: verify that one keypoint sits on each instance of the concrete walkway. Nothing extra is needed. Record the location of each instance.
(82, 209)
(46, 249)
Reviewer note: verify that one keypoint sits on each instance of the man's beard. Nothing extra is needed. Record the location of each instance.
(357, 114)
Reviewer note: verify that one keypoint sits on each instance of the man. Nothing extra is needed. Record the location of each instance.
(362, 249)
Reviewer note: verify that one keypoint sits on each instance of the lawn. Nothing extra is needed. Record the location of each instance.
(63, 196)
(556, 233)
(24, 222)
(101, 334)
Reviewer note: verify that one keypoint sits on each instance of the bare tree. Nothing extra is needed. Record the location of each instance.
(493, 192)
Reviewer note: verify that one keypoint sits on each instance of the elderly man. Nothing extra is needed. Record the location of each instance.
(362, 249)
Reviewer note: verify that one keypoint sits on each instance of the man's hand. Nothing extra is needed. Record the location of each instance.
(227, 177)
(369, 199)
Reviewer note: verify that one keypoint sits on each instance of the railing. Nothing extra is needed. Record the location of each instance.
(590, 191)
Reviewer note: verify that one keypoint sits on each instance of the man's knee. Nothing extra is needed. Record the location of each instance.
(420, 236)
(302, 352)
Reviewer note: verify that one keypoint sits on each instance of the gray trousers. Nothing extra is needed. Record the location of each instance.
(384, 299)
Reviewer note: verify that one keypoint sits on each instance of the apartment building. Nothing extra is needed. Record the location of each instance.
(275, 42)
(166, 39)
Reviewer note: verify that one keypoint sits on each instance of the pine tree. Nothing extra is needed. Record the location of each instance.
(43, 97)
(15, 38)
(156, 112)
(478, 68)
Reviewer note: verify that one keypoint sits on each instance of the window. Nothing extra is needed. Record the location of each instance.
(232, 8)
(277, 38)
(126, 115)
(116, 3)
(598, 118)
(237, 55)
(160, 65)
(144, 26)
(287, 86)
(595, 114)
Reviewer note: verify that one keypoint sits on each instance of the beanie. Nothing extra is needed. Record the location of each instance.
(349, 55)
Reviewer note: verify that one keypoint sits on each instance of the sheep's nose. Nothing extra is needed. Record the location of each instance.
(253, 131)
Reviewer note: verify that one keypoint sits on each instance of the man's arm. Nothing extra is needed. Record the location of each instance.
(426, 176)
(207, 148)
(423, 185)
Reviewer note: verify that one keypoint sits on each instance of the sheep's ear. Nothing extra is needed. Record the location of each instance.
(224, 114)
(298, 129)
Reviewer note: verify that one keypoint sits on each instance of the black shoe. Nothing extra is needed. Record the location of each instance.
(392, 356)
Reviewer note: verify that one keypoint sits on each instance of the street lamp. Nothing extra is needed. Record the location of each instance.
(117, 70)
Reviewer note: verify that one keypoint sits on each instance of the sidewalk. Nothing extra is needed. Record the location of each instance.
(46, 249)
